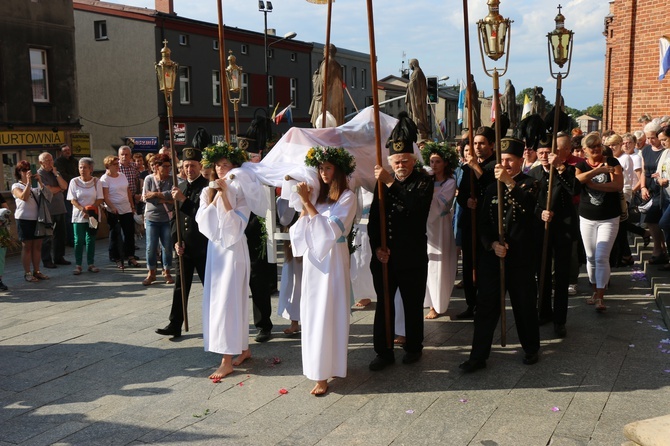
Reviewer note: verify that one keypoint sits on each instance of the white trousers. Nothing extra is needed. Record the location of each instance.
(599, 237)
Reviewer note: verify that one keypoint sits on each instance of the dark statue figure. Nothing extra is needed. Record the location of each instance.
(508, 103)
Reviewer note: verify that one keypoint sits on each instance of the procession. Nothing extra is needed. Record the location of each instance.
(360, 243)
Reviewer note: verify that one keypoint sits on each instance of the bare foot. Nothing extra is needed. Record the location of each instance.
(432, 314)
(246, 354)
(320, 388)
(400, 340)
(293, 329)
(225, 369)
(363, 303)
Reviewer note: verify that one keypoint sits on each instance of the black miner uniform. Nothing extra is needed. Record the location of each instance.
(519, 210)
(195, 244)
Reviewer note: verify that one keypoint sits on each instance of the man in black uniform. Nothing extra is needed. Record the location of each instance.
(519, 200)
(563, 228)
(194, 245)
(481, 164)
(262, 273)
(407, 196)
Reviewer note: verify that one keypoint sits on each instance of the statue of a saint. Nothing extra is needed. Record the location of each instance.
(416, 99)
(508, 103)
(335, 95)
(539, 102)
(476, 105)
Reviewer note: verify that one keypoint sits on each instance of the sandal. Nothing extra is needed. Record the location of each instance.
(39, 275)
(77, 270)
(646, 239)
(168, 277)
(600, 306)
(119, 265)
(133, 262)
(29, 277)
(591, 300)
(93, 269)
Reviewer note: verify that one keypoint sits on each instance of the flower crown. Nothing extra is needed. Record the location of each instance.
(215, 152)
(334, 155)
(448, 154)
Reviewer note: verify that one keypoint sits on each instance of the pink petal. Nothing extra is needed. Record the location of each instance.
(555, 409)
(462, 400)
(410, 411)
(283, 391)
(216, 380)
(240, 384)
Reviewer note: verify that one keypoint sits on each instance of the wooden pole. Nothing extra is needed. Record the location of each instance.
(554, 144)
(469, 93)
(326, 56)
(222, 76)
(501, 216)
(382, 212)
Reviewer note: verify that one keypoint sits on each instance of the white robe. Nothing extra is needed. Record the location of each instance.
(289, 290)
(441, 247)
(225, 301)
(325, 302)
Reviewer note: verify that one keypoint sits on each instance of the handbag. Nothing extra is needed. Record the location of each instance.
(44, 226)
(640, 206)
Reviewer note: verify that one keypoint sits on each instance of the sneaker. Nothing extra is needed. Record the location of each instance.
(3, 287)
(572, 290)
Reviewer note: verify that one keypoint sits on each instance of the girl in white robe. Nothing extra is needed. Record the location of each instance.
(442, 260)
(320, 237)
(222, 217)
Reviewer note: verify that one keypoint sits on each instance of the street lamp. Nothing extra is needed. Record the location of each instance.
(559, 47)
(233, 74)
(287, 36)
(493, 34)
(266, 7)
(166, 71)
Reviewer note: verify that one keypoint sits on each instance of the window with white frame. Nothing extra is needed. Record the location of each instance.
(344, 74)
(294, 91)
(353, 77)
(244, 49)
(215, 45)
(100, 29)
(244, 90)
(39, 75)
(216, 87)
(294, 57)
(184, 85)
(364, 79)
(271, 53)
(183, 39)
(271, 90)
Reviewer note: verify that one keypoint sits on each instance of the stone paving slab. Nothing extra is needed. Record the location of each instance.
(80, 364)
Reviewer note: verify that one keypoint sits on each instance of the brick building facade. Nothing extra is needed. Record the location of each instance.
(632, 31)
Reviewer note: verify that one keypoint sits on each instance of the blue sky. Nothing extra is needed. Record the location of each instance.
(432, 32)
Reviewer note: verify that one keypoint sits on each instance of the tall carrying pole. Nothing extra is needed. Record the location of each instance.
(380, 185)
(326, 56)
(222, 76)
(470, 103)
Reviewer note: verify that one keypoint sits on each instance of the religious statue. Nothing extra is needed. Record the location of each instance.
(539, 102)
(335, 93)
(476, 105)
(416, 99)
(508, 103)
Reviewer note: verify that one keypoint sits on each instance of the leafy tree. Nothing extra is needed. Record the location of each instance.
(573, 112)
(595, 110)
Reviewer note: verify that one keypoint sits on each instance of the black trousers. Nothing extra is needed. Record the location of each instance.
(412, 285)
(520, 284)
(121, 236)
(469, 287)
(559, 253)
(191, 264)
(260, 282)
(53, 248)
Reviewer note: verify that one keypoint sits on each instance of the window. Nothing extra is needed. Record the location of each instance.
(215, 45)
(271, 90)
(294, 91)
(184, 85)
(39, 75)
(353, 77)
(364, 79)
(100, 29)
(244, 49)
(216, 87)
(294, 57)
(244, 90)
(183, 39)
(271, 53)
(344, 74)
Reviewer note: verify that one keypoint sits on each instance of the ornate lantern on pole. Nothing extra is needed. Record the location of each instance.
(559, 48)
(494, 36)
(166, 70)
(233, 75)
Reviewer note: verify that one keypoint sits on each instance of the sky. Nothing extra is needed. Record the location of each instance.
(432, 32)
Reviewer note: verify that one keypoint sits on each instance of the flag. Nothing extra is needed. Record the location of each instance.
(527, 107)
(274, 112)
(461, 102)
(493, 107)
(286, 112)
(664, 61)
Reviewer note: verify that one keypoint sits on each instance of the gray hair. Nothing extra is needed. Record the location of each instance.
(87, 160)
(124, 148)
(652, 127)
(411, 155)
(43, 156)
(638, 134)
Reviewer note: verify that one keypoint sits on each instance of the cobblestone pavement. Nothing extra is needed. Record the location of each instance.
(80, 364)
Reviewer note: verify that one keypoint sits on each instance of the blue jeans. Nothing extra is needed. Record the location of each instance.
(158, 231)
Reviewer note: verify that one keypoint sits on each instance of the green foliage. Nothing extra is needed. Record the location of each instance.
(595, 110)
